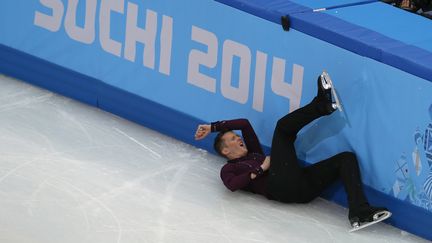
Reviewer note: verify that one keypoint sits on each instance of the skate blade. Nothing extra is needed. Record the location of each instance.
(328, 80)
(324, 82)
(383, 215)
(337, 101)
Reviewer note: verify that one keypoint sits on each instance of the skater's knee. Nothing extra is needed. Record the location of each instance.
(284, 128)
(280, 124)
(349, 157)
(347, 154)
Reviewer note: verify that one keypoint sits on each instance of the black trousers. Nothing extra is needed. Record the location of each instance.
(289, 182)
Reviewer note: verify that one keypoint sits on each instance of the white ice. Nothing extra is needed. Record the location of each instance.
(73, 173)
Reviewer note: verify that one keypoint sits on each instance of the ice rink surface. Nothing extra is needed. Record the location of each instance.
(70, 173)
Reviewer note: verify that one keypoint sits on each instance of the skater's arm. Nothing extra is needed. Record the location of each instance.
(264, 167)
(250, 138)
(235, 182)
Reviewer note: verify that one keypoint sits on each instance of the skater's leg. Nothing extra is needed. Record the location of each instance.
(321, 105)
(285, 172)
(322, 174)
(319, 176)
(290, 124)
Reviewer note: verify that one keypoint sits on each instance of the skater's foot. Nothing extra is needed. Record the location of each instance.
(365, 213)
(324, 89)
(324, 96)
(324, 100)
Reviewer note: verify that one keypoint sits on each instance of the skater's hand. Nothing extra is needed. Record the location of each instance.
(266, 163)
(202, 131)
(265, 166)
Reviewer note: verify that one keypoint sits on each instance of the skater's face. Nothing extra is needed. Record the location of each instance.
(234, 146)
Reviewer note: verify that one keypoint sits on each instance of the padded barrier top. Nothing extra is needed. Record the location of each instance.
(270, 10)
(331, 4)
(392, 22)
(388, 34)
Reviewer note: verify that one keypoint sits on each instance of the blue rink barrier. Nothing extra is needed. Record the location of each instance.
(154, 63)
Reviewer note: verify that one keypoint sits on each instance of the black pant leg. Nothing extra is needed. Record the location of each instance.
(290, 124)
(342, 166)
(285, 172)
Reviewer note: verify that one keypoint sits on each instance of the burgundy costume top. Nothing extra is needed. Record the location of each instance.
(236, 173)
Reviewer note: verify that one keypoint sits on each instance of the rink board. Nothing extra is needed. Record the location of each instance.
(228, 63)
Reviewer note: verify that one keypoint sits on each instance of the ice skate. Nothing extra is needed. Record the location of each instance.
(330, 91)
(326, 105)
(367, 216)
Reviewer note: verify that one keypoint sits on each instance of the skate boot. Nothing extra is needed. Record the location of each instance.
(366, 214)
(324, 96)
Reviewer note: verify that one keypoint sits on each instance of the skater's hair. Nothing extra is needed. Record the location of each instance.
(219, 144)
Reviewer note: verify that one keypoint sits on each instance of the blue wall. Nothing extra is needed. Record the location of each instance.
(153, 62)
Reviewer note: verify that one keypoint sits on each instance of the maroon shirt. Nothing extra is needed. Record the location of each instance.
(235, 174)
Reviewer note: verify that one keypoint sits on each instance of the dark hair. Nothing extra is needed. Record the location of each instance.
(219, 143)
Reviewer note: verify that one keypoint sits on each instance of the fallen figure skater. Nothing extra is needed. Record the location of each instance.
(280, 176)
